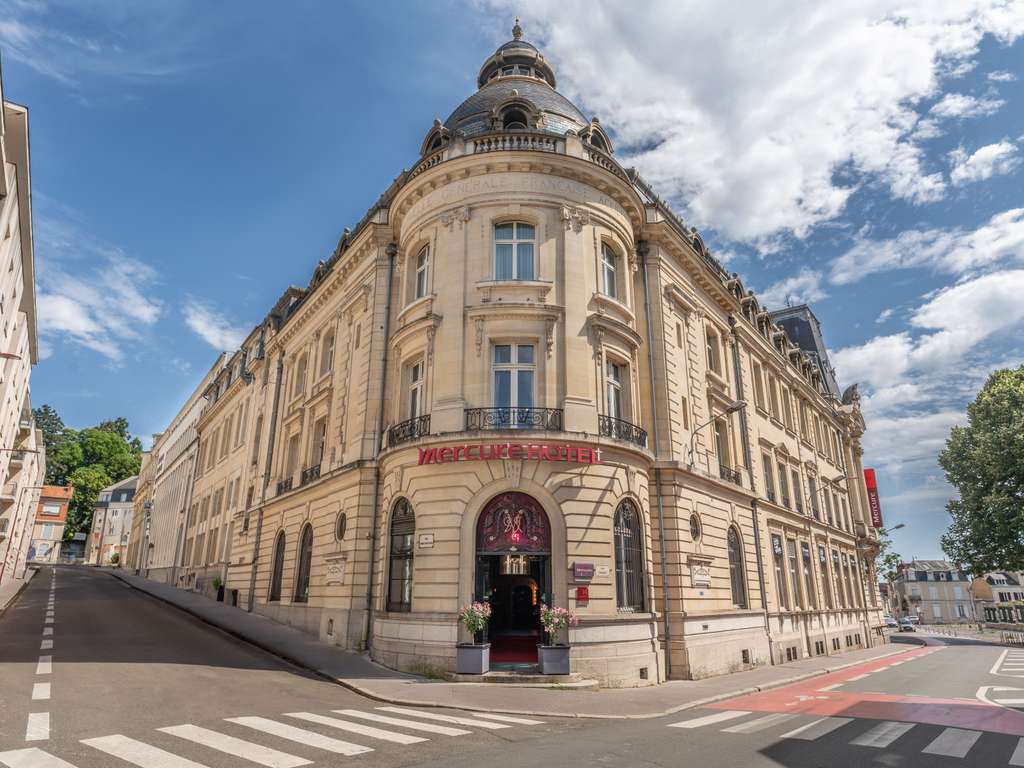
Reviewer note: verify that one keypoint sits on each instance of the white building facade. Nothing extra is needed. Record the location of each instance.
(111, 523)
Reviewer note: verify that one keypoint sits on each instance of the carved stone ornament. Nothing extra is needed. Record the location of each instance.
(431, 332)
(549, 337)
(458, 215)
(575, 218)
(479, 322)
(513, 471)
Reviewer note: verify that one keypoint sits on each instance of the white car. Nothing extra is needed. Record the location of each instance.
(891, 622)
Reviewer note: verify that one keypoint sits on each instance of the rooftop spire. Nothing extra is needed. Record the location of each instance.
(517, 31)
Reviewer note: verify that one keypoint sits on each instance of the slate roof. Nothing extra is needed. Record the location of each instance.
(472, 116)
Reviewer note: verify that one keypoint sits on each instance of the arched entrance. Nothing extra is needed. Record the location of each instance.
(513, 574)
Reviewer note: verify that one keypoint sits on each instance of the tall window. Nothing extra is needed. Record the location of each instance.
(794, 572)
(737, 580)
(787, 409)
(303, 563)
(292, 456)
(277, 571)
(300, 376)
(613, 389)
(812, 490)
(714, 354)
(242, 422)
(629, 558)
(838, 579)
(415, 389)
(758, 386)
(514, 380)
(256, 439)
(780, 571)
(809, 591)
(769, 480)
(798, 491)
(513, 251)
(828, 506)
(327, 352)
(823, 564)
(422, 272)
(846, 514)
(609, 271)
(403, 530)
(783, 484)
(773, 396)
(319, 441)
(722, 443)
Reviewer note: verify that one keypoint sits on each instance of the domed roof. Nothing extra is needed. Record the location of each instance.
(474, 115)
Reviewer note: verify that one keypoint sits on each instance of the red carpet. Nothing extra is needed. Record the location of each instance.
(514, 649)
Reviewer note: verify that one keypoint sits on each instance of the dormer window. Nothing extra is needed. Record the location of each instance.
(597, 141)
(436, 144)
(514, 120)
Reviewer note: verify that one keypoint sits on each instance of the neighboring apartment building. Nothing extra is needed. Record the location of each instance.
(142, 504)
(999, 597)
(22, 456)
(934, 591)
(112, 523)
(48, 529)
(522, 379)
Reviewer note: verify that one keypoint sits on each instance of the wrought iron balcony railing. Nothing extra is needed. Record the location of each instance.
(309, 474)
(730, 474)
(283, 486)
(549, 419)
(410, 429)
(623, 430)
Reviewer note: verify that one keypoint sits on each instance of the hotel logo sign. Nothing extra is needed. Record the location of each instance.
(876, 507)
(570, 453)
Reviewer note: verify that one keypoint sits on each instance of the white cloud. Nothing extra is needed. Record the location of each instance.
(884, 315)
(1002, 76)
(897, 441)
(215, 329)
(803, 288)
(762, 119)
(961, 105)
(880, 362)
(956, 251)
(988, 161)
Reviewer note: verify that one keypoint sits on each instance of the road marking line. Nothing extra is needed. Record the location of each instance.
(831, 687)
(753, 726)
(45, 665)
(300, 735)
(410, 724)
(817, 729)
(446, 718)
(1009, 702)
(48, 620)
(46, 645)
(34, 757)
(882, 735)
(859, 677)
(897, 663)
(40, 691)
(999, 661)
(718, 717)
(47, 631)
(137, 752)
(38, 728)
(1016, 759)
(952, 742)
(247, 750)
(507, 719)
(359, 728)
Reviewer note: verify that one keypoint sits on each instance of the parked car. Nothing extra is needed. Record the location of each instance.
(914, 619)
(890, 622)
(906, 625)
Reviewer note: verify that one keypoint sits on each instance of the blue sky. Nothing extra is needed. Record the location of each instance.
(190, 160)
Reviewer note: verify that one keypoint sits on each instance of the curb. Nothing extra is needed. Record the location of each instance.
(24, 583)
(348, 684)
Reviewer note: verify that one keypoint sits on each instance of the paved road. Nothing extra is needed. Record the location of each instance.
(133, 681)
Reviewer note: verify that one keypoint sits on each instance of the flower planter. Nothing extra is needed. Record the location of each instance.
(553, 659)
(472, 658)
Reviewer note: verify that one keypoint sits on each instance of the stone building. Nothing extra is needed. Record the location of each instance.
(48, 528)
(112, 523)
(935, 591)
(998, 597)
(522, 378)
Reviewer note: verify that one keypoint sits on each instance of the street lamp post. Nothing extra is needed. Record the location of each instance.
(738, 405)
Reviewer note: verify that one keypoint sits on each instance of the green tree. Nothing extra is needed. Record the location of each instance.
(984, 461)
(888, 559)
(87, 482)
(64, 459)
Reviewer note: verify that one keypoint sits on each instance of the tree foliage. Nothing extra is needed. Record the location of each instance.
(984, 461)
(88, 459)
(888, 559)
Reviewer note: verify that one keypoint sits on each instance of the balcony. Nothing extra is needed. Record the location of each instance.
(548, 419)
(622, 430)
(283, 486)
(729, 474)
(410, 429)
(309, 474)
(24, 426)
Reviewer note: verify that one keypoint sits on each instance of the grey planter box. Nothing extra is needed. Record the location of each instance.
(471, 659)
(554, 659)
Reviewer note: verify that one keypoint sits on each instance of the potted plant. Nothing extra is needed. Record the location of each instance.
(554, 657)
(218, 585)
(474, 658)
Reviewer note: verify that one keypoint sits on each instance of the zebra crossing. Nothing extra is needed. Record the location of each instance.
(947, 742)
(1010, 663)
(200, 745)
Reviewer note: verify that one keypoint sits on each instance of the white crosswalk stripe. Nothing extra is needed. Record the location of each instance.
(508, 719)
(1017, 758)
(359, 728)
(31, 758)
(882, 735)
(300, 735)
(817, 729)
(760, 724)
(952, 742)
(247, 750)
(718, 717)
(139, 753)
(403, 723)
(445, 718)
(38, 727)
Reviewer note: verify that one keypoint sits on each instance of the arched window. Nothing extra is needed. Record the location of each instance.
(514, 120)
(599, 142)
(629, 558)
(303, 563)
(436, 143)
(277, 572)
(403, 530)
(736, 578)
(422, 267)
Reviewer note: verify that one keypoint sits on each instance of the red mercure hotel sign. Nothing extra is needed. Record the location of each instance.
(876, 508)
(571, 453)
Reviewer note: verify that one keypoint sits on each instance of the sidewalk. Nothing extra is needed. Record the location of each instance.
(11, 590)
(357, 672)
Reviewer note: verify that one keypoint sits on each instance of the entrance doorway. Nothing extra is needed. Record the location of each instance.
(513, 574)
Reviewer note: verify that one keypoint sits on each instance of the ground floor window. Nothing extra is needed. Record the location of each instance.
(304, 562)
(403, 530)
(737, 581)
(277, 572)
(629, 558)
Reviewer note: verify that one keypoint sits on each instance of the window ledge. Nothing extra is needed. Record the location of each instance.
(423, 302)
(496, 290)
(717, 379)
(613, 305)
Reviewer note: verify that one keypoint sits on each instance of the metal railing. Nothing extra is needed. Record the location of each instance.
(410, 429)
(309, 474)
(730, 474)
(283, 486)
(549, 419)
(18, 456)
(622, 430)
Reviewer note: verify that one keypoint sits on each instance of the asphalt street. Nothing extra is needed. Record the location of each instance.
(93, 673)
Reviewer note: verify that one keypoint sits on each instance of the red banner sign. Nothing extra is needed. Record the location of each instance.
(575, 454)
(876, 507)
